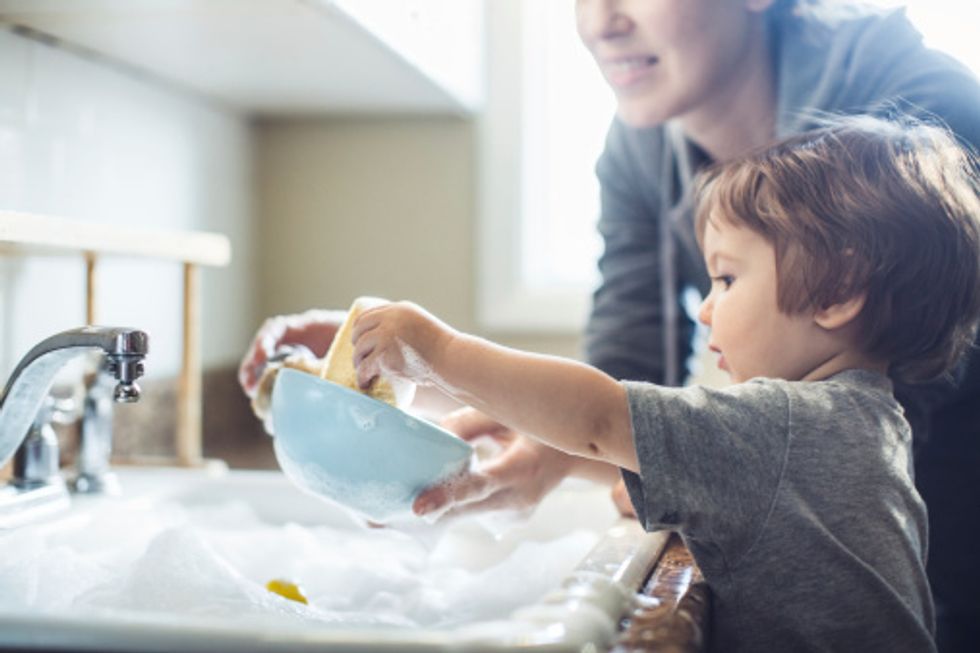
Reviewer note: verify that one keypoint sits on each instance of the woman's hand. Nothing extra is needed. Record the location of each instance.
(517, 478)
(313, 329)
(621, 498)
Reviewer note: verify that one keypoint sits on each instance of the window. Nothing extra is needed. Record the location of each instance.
(546, 116)
(947, 25)
(567, 109)
(545, 122)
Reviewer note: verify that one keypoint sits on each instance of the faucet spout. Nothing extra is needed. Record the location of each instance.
(32, 378)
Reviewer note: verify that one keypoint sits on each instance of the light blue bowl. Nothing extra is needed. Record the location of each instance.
(357, 451)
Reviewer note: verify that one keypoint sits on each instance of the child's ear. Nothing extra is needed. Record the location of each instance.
(839, 315)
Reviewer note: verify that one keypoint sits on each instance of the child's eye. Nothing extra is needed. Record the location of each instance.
(725, 279)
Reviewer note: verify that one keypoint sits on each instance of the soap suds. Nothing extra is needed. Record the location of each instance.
(214, 560)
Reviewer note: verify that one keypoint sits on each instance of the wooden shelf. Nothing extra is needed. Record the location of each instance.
(32, 234)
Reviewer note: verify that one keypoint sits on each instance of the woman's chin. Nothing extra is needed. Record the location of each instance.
(639, 112)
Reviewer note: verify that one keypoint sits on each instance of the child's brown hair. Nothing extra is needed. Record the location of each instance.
(885, 208)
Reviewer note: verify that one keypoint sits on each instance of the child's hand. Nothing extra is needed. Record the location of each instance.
(399, 340)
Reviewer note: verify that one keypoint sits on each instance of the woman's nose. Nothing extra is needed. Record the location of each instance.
(600, 19)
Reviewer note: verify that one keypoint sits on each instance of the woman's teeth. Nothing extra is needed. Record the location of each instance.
(630, 65)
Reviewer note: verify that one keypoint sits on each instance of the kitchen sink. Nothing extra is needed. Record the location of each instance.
(183, 558)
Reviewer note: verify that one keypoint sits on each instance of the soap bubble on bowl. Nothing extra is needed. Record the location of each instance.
(311, 477)
(366, 455)
(364, 419)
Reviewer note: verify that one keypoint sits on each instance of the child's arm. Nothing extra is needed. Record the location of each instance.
(567, 404)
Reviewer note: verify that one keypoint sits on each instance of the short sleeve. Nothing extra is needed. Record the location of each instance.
(710, 461)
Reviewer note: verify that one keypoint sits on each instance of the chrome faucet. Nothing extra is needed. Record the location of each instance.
(24, 395)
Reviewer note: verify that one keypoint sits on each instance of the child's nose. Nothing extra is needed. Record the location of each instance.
(706, 308)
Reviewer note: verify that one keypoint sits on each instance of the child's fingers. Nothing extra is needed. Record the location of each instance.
(363, 348)
(365, 322)
(365, 377)
(365, 361)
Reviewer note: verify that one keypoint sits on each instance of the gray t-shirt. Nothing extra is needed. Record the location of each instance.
(797, 501)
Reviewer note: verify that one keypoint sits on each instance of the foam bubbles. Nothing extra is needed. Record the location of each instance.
(378, 498)
(212, 561)
(364, 418)
(418, 370)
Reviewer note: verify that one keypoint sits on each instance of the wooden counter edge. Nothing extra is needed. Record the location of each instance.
(676, 621)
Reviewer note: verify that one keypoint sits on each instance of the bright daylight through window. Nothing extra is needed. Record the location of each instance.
(539, 266)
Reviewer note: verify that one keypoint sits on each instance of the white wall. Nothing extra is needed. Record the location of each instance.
(377, 206)
(83, 140)
(374, 206)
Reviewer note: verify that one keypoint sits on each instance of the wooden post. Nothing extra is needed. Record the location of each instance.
(90, 259)
(188, 436)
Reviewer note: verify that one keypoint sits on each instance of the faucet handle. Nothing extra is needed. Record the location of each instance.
(36, 460)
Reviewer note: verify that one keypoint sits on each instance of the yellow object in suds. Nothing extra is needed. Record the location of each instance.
(286, 589)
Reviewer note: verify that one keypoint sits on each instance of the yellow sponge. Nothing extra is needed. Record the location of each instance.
(338, 366)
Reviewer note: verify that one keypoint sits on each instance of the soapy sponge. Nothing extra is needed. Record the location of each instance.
(338, 366)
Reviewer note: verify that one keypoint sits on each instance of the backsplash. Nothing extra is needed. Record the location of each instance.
(232, 433)
(82, 139)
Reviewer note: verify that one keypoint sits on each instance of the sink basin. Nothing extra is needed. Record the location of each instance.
(181, 561)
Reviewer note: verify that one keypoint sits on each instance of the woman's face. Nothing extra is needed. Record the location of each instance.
(667, 58)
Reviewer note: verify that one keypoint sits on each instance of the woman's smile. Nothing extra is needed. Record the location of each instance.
(623, 72)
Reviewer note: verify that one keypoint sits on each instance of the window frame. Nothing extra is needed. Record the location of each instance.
(507, 299)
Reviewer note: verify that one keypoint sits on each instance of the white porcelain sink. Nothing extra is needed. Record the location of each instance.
(180, 562)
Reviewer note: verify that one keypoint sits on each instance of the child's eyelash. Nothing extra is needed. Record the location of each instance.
(726, 279)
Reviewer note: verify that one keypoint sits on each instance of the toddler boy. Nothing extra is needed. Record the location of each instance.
(839, 258)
